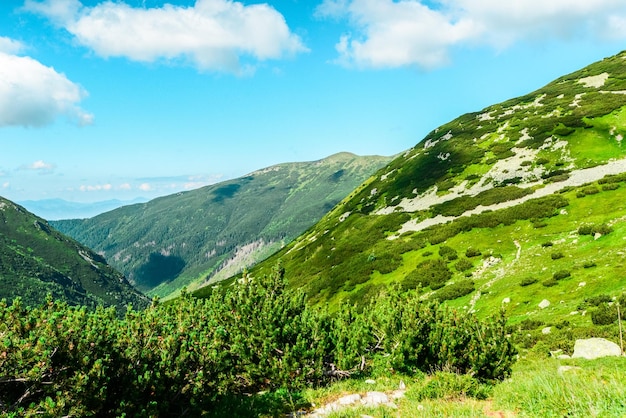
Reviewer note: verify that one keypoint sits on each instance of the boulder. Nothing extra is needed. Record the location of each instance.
(544, 303)
(593, 348)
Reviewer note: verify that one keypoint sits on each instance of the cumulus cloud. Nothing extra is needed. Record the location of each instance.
(32, 94)
(421, 33)
(211, 35)
(39, 166)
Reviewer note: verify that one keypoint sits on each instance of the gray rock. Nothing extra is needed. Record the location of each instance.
(349, 399)
(544, 303)
(375, 398)
(593, 348)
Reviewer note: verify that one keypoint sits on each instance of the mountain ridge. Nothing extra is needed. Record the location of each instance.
(187, 238)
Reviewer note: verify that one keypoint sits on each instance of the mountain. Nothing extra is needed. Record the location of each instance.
(520, 206)
(55, 209)
(36, 260)
(215, 231)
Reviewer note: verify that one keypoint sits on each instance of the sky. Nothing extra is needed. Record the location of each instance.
(121, 99)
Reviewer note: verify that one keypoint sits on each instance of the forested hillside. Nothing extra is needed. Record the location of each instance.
(36, 260)
(215, 231)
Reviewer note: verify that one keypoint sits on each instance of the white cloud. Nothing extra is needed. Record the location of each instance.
(10, 46)
(418, 33)
(32, 94)
(211, 35)
(6, 185)
(145, 187)
(39, 166)
(95, 187)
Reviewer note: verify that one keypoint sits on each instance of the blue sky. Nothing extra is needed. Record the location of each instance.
(120, 99)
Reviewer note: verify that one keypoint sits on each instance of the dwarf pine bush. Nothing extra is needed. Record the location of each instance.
(182, 358)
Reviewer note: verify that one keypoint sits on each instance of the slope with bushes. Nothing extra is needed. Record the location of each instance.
(519, 207)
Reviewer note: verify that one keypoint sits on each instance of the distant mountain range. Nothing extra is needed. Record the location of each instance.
(36, 260)
(520, 206)
(211, 233)
(55, 209)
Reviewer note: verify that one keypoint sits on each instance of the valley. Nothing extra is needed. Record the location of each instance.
(458, 272)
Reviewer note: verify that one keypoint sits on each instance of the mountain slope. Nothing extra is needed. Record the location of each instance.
(169, 242)
(36, 260)
(520, 202)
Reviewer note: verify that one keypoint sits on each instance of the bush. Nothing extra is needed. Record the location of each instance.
(549, 282)
(428, 273)
(592, 229)
(454, 290)
(448, 253)
(527, 281)
(185, 357)
(463, 265)
(604, 314)
(472, 252)
(561, 274)
(547, 244)
(609, 187)
(556, 255)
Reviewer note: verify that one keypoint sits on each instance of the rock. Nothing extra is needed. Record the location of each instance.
(546, 330)
(593, 348)
(375, 399)
(370, 381)
(544, 304)
(563, 357)
(349, 399)
(582, 284)
(402, 386)
(506, 300)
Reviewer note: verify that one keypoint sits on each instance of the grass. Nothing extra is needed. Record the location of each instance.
(537, 388)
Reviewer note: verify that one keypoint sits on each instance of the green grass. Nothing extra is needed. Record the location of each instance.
(591, 388)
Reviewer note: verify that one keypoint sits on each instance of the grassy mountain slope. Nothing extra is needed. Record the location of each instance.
(214, 231)
(36, 260)
(504, 207)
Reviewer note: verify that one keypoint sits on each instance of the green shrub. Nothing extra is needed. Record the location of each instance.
(561, 274)
(556, 255)
(454, 290)
(592, 229)
(550, 282)
(472, 252)
(604, 314)
(448, 253)
(463, 265)
(610, 186)
(527, 281)
(428, 273)
(547, 244)
(589, 264)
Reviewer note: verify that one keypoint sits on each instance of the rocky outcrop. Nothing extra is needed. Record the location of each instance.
(593, 348)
